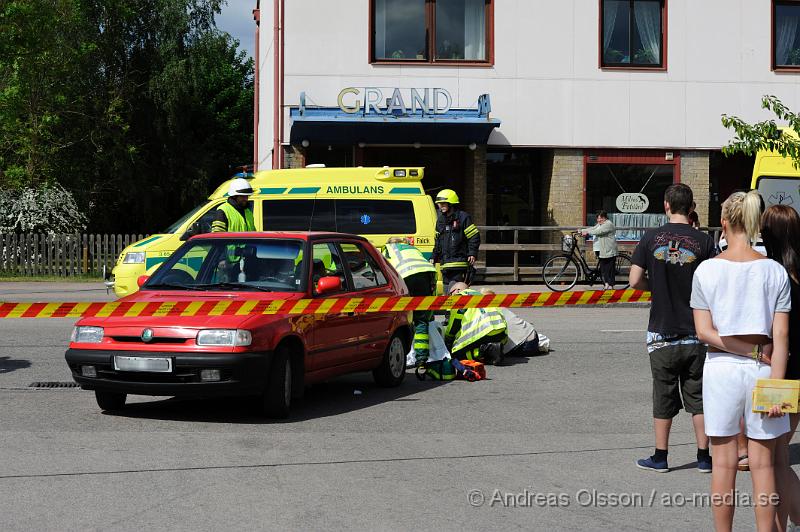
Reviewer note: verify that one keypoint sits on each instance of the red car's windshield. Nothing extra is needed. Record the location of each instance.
(270, 265)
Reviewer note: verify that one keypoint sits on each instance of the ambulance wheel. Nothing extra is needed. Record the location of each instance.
(277, 396)
(393, 365)
(110, 401)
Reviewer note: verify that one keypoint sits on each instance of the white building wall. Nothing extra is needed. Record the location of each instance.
(266, 92)
(546, 86)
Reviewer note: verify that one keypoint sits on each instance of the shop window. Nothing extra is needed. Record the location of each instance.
(431, 31)
(785, 35)
(605, 183)
(632, 33)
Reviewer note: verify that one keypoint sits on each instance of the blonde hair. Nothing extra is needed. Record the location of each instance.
(397, 240)
(742, 211)
(487, 291)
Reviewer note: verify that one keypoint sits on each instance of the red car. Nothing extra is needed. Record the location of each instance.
(271, 356)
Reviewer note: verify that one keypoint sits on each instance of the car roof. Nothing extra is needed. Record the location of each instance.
(279, 235)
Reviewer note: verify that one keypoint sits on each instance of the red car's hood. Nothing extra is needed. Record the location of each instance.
(222, 322)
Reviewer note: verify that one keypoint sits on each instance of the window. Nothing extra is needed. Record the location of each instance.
(365, 273)
(361, 217)
(326, 262)
(632, 33)
(786, 35)
(605, 183)
(202, 225)
(431, 31)
(249, 264)
(375, 217)
(780, 191)
(298, 215)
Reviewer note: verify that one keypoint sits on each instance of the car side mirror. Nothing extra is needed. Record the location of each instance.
(141, 280)
(329, 285)
(194, 229)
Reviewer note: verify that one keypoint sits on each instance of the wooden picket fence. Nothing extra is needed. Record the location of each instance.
(62, 255)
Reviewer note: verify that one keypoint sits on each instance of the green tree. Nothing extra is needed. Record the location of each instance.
(136, 108)
(766, 135)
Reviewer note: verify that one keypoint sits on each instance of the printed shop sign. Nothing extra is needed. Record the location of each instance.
(632, 202)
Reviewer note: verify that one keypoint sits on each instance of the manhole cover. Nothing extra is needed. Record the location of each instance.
(54, 385)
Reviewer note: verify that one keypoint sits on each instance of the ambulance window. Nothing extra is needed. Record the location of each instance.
(296, 215)
(780, 191)
(375, 217)
(177, 225)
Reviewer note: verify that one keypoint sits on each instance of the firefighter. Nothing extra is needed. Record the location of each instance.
(234, 215)
(457, 240)
(420, 278)
(475, 333)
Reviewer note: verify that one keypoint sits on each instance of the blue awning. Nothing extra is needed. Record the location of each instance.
(331, 125)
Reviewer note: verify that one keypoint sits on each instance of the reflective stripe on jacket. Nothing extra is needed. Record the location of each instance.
(236, 222)
(407, 259)
(456, 239)
(478, 323)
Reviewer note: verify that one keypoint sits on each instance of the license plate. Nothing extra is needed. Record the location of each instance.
(150, 364)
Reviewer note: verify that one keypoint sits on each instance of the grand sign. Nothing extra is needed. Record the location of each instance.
(372, 101)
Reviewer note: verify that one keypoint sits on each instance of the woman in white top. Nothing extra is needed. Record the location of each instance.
(741, 303)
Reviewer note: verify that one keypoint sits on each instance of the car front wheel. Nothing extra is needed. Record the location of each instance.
(393, 366)
(277, 397)
(110, 401)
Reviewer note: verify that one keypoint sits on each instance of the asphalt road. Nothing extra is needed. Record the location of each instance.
(546, 443)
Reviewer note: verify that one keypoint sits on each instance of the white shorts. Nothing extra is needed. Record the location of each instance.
(728, 382)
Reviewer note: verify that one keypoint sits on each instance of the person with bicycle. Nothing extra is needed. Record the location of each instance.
(605, 246)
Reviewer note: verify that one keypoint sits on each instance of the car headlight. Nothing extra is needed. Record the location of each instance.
(87, 335)
(135, 257)
(229, 337)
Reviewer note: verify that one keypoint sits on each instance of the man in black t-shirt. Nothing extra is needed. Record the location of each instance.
(664, 262)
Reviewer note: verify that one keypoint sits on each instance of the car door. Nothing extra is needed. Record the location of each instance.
(334, 337)
(368, 281)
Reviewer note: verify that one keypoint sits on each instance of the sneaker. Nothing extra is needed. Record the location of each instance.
(649, 463)
(704, 465)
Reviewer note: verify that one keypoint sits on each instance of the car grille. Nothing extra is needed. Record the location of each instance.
(155, 340)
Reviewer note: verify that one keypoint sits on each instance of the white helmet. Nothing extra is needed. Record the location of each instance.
(240, 187)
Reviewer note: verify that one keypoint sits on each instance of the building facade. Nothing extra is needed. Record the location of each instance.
(537, 112)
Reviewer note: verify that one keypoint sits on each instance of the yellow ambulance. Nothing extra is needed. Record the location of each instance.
(377, 203)
(776, 178)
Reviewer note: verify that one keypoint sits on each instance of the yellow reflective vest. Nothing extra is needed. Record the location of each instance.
(477, 323)
(407, 259)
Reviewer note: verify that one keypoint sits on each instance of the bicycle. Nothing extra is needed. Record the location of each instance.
(560, 273)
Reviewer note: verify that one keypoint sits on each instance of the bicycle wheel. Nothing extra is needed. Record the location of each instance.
(560, 273)
(622, 270)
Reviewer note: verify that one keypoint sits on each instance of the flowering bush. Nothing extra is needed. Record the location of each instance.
(48, 209)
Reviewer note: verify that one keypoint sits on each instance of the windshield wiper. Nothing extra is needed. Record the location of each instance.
(174, 286)
(229, 284)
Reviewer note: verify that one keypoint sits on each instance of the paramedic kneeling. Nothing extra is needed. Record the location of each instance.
(475, 333)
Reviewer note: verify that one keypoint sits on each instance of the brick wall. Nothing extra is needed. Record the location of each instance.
(473, 198)
(695, 173)
(562, 187)
(293, 157)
